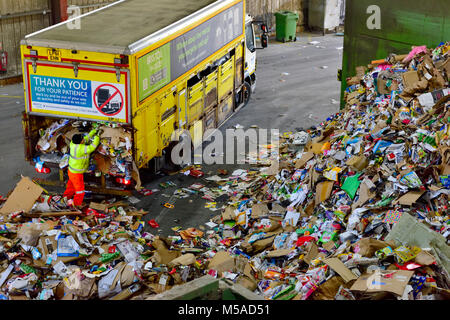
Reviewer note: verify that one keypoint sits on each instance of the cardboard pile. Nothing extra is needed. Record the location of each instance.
(50, 251)
(327, 221)
(354, 208)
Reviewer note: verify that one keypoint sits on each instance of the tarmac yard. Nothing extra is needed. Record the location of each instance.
(296, 88)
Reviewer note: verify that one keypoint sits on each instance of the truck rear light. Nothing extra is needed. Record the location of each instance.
(124, 181)
(40, 168)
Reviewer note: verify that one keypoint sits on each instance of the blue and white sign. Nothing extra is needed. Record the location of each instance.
(80, 98)
(53, 90)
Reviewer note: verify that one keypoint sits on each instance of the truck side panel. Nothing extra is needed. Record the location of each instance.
(187, 101)
(185, 105)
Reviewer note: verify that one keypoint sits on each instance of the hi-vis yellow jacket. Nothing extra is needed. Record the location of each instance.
(79, 154)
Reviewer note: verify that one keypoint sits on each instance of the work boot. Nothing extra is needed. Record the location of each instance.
(72, 205)
(81, 206)
(64, 202)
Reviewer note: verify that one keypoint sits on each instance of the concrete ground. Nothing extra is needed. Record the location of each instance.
(12, 162)
(297, 88)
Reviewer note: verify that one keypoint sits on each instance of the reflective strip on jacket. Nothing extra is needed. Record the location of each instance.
(79, 154)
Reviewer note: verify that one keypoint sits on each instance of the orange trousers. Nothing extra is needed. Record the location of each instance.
(75, 188)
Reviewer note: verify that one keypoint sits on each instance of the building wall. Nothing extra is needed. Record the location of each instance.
(401, 27)
(21, 17)
(18, 18)
(89, 5)
(265, 9)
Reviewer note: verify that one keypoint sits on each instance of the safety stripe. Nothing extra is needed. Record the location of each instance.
(79, 192)
(80, 158)
(77, 170)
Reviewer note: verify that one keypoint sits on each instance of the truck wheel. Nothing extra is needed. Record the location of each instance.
(168, 157)
(168, 154)
(246, 92)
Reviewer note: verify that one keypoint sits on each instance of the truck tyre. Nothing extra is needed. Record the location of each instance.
(246, 93)
(168, 163)
(168, 155)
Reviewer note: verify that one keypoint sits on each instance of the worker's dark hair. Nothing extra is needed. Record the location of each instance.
(77, 138)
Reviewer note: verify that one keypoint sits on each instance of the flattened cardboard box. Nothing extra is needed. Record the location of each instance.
(23, 197)
(357, 162)
(229, 213)
(46, 246)
(163, 255)
(278, 253)
(300, 163)
(389, 281)
(259, 210)
(312, 252)
(381, 84)
(323, 191)
(409, 198)
(410, 78)
(341, 269)
(221, 262)
(184, 260)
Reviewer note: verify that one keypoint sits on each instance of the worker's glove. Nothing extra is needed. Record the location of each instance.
(99, 132)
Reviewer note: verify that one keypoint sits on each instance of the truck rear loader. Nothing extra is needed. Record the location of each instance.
(157, 67)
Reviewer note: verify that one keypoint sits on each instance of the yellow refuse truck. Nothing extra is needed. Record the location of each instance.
(157, 66)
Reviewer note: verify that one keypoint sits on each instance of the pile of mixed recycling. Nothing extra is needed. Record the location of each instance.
(355, 208)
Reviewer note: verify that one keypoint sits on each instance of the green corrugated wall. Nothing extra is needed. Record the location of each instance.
(404, 23)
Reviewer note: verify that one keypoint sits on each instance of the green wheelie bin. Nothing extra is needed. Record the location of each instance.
(286, 25)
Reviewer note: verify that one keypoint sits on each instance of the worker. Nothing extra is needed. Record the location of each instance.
(78, 165)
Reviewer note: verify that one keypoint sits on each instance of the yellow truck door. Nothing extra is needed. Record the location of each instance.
(145, 121)
(168, 118)
(195, 102)
(226, 78)
(211, 90)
